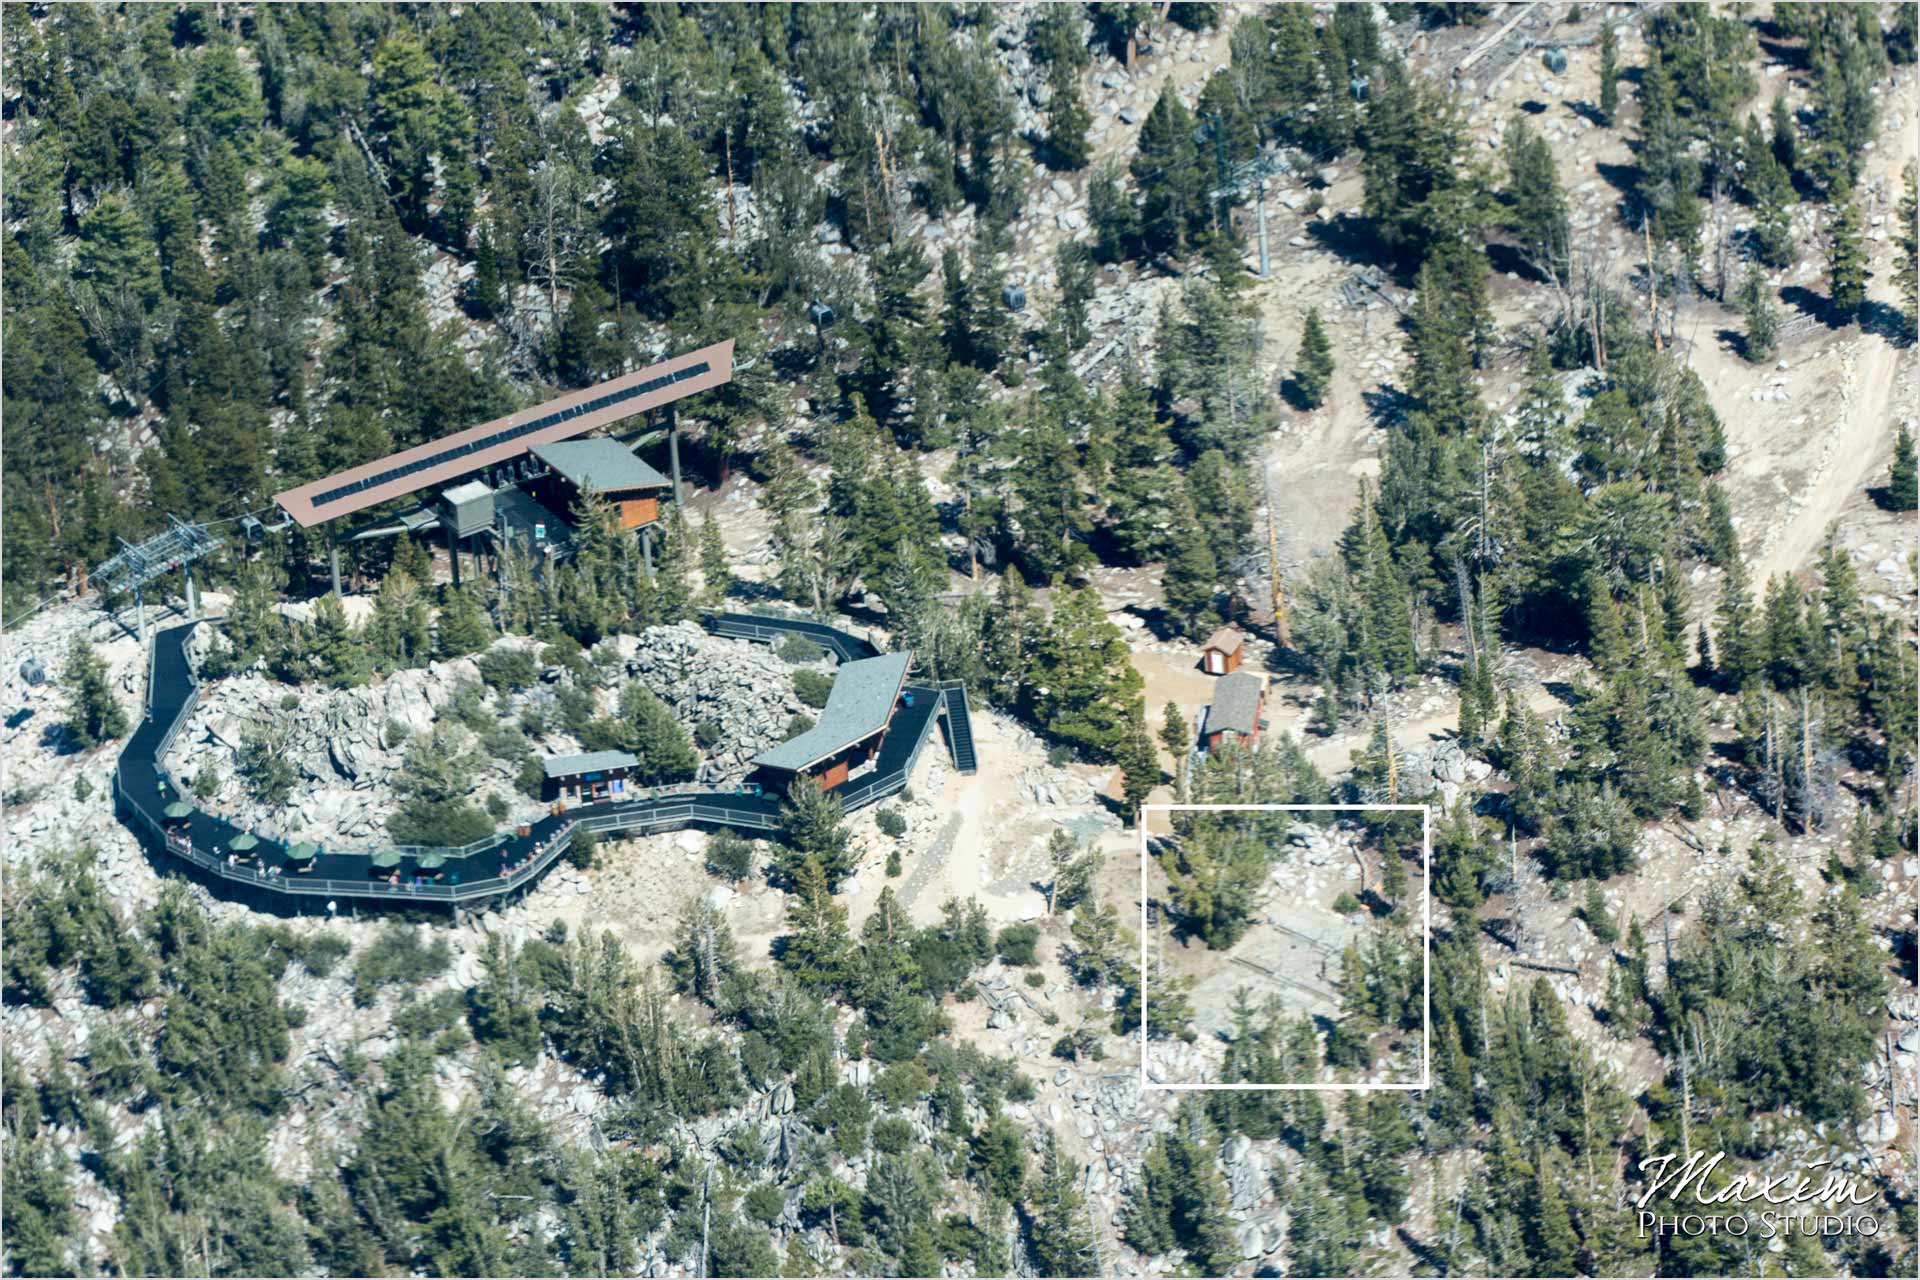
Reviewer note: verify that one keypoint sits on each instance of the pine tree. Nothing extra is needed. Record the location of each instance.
(1064, 1243)
(1083, 679)
(1762, 316)
(1537, 209)
(1139, 763)
(1903, 477)
(1313, 371)
(1166, 169)
(1609, 71)
(463, 626)
(1545, 1221)
(1067, 120)
(339, 650)
(816, 949)
(94, 713)
(1906, 239)
(1736, 637)
(1192, 576)
(1846, 259)
(1176, 735)
(815, 823)
(716, 575)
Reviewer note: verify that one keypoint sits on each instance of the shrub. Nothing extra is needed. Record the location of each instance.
(323, 953)
(798, 724)
(798, 649)
(82, 789)
(1016, 943)
(891, 1135)
(397, 732)
(764, 1203)
(812, 687)
(730, 855)
(1020, 1088)
(706, 735)
(398, 955)
(497, 806)
(894, 866)
(584, 850)
(1035, 979)
(1346, 904)
(508, 668)
(891, 822)
(901, 1083)
(289, 702)
(1059, 757)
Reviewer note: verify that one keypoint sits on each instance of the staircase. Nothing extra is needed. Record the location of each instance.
(959, 727)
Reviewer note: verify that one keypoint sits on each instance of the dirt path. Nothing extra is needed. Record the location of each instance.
(1851, 459)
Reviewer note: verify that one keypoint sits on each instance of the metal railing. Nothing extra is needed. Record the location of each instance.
(651, 810)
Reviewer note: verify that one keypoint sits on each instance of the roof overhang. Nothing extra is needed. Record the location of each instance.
(492, 443)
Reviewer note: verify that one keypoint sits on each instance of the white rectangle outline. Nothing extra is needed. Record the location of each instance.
(1426, 946)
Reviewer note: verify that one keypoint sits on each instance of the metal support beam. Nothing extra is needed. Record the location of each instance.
(673, 447)
(333, 559)
(453, 554)
(646, 552)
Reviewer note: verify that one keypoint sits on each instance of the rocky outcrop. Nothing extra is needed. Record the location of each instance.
(744, 690)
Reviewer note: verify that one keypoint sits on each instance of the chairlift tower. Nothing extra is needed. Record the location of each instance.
(1253, 174)
(134, 566)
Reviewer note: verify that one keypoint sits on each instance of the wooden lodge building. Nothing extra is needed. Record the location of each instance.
(1235, 711)
(851, 727)
(602, 469)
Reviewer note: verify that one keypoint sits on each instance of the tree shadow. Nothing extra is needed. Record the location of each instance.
(1889, 322)
(1387, 405)
(1590, 113)
(1354, 240)
(1808, 303)
(1882, 497)
(1508, 258)
(1738, 343)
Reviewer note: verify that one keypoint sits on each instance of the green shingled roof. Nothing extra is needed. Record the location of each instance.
(599, 465)
(859, 706)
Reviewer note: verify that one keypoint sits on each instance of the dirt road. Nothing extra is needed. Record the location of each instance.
(1851, 460)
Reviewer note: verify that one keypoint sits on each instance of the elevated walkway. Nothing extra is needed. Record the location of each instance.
(506, 861)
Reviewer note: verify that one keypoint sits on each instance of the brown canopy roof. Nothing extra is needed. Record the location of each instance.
(503, 439)
(1226, 640)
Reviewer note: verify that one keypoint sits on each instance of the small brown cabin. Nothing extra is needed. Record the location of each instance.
(1222, 652)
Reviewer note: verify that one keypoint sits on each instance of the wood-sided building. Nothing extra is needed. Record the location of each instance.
(590, 778)
(602, 469)
(851, 727)
(1222, 652)
(1235, 711)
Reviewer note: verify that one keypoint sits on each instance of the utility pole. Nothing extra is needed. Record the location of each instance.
(333, 558)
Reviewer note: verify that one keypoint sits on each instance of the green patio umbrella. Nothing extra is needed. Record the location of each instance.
(431, 861)
(304, 850)
(386, 858)
(244, 841)
(179, 809)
